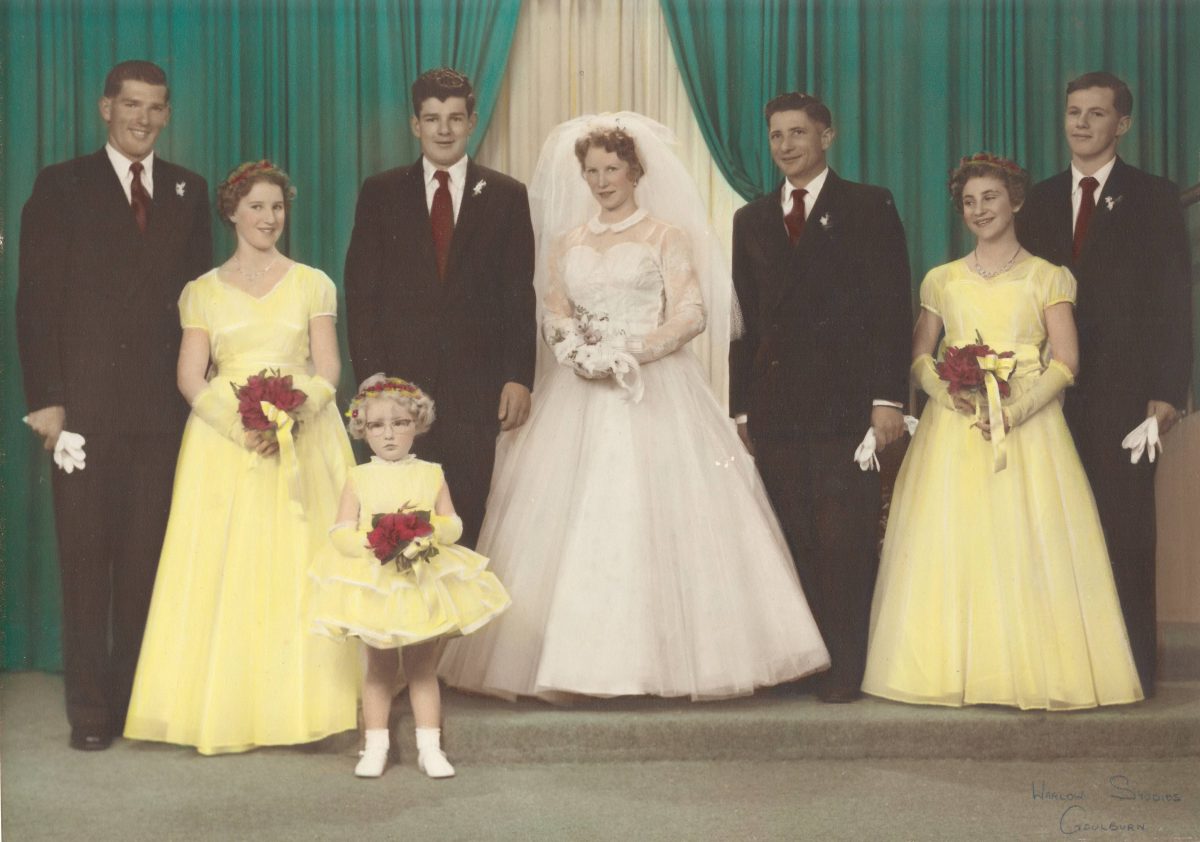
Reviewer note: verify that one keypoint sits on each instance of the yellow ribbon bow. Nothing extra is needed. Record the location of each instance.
(289, 464)
(996, 368)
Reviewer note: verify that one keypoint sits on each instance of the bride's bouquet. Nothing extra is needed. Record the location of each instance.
(596, 350)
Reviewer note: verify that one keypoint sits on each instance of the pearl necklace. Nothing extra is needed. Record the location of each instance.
(983, 273)
(251, 277)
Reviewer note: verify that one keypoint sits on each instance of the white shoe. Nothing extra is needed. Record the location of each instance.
(433, 762)
(430, 758)
(373, 758)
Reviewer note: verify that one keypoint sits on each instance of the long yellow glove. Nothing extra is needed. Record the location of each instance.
(217, 407)
(446, 528)
(349, 540)
(1045, 388)
(923, 372)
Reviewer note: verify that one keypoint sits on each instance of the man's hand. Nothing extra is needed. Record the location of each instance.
(1166, 414)
(888, 423)
(514, 406)
(48, 422)
(743, 431)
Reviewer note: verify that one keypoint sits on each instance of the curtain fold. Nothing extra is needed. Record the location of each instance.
(916, 84)
(320, 87)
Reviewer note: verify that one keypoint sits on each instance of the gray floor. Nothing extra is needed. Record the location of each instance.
(153, 792)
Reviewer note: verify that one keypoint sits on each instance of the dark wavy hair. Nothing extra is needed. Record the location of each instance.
(816, 110)
(986, 165)
(614, 140)
(134, 70)
(442, 83)
(242, 178)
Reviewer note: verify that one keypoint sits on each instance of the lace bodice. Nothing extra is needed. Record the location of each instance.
(633, 279)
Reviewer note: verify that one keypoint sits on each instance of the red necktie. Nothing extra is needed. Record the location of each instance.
(139, 199)
(1087, 204)
(795, 217)
(441, 219)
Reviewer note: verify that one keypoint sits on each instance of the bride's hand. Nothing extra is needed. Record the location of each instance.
(963, 404)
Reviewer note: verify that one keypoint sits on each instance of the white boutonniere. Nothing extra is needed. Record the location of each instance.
(180, 188)
(1111, 202)
(479, 185)
(826, 221)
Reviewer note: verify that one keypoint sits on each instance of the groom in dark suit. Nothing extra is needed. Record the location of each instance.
(439, 289)
(107, 243)
(821, 271)
(1121, 233)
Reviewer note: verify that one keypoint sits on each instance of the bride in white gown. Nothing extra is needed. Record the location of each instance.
(625, 517)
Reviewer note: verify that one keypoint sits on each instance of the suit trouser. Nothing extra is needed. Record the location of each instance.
(110, 521)
(829, 511)
(1125, 499)
(467, 453)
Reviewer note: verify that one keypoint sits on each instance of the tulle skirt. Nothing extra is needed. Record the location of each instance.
(995, 588)
(228, 661)
(640, 550)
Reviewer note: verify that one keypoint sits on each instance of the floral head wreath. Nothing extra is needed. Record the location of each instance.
(989, 159)
(397, 385)
(250, 170)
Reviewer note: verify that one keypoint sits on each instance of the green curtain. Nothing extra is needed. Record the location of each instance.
(916, 84)
(321, 87)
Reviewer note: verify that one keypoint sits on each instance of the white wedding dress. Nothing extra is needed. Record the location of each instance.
(635, 538)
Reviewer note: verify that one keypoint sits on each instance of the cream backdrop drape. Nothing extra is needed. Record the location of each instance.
(573, 57)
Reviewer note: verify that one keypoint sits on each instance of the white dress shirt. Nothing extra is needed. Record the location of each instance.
(458, 181)
(122, 164)
(1101, 175)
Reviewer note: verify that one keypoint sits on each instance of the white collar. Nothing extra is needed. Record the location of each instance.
(813, 188)
(598, 227)
(122, 164)
(406, 458)
(1101, 175)
(457, 170)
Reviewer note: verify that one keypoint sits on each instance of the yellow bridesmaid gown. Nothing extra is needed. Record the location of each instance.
(995, 587)
(452, 593)
(227, 661)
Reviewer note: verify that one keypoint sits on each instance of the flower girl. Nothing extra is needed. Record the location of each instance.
(392, 575)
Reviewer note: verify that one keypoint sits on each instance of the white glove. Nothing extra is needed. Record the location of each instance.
(864, 454)
(1142, 439)
(68, 452)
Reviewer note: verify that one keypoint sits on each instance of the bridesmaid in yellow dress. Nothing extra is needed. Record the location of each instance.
(995, 586)
(227, 662)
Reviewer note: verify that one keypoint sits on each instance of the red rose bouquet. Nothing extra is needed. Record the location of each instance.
(268, 386)
(964, 369)
(405, 537)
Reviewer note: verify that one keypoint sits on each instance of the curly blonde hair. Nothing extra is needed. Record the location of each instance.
(616, 140)
(396, 389)
(242, 178)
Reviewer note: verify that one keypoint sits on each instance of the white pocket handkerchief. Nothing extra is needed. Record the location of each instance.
(1143, 439)
(68, 452)
(864, 454)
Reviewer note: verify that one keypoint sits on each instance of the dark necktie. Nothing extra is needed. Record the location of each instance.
(1087, 204)
(795, 217)
(441, 219)
(139, 199)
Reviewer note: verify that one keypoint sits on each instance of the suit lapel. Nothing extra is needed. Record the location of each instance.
(412, 217)
(471, 212)
(773, 239)
(1109, 208)
(804, 260)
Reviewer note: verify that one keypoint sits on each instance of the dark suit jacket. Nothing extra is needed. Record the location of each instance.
(461, 338)
(1134, 301)
(97, 319)
(827, 322)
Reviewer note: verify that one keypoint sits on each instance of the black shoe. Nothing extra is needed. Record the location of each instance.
(90, 740)
(839, 695)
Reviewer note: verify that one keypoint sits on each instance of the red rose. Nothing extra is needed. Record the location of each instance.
(960, 368)
(273, 389)
(392, 532)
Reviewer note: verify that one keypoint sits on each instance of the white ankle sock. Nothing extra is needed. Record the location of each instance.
(374, 756)
(430, 758)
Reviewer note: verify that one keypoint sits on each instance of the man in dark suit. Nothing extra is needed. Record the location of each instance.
(107, 243)
(821, 272)
(439, 289)
(1121, 233)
